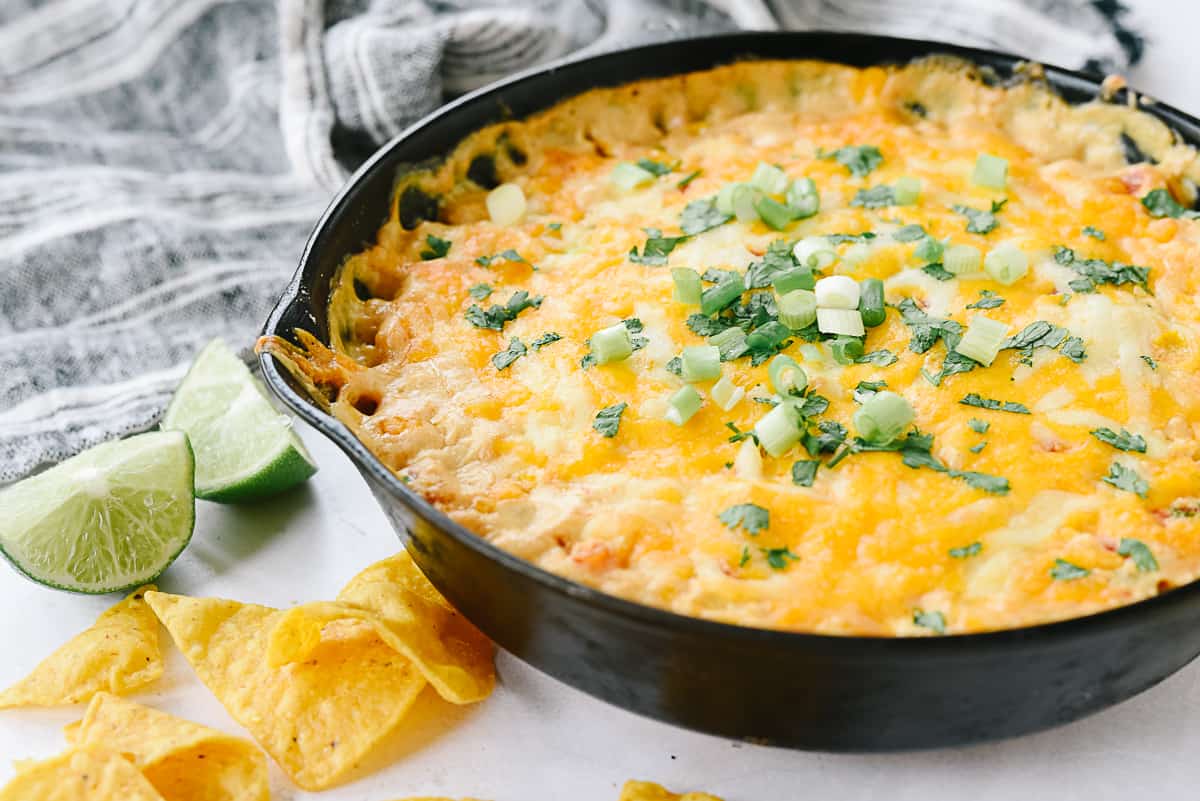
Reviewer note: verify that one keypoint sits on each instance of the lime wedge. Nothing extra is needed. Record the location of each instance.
(245, 449)
(111, 518)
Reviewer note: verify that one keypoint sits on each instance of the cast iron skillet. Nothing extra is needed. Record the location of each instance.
(794, 690)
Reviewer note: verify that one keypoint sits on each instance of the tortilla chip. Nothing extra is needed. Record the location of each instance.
(118, 654)
(452, 654)
(80, 775)
(317, 718)
(183, 760)
(649, 791)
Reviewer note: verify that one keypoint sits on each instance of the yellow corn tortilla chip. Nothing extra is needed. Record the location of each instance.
(649, 791)
(80, 775)
(317, 718)
(118, 654)
(454, 656)
(183, 760)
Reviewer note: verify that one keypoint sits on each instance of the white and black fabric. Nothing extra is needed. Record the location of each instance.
(161, 161)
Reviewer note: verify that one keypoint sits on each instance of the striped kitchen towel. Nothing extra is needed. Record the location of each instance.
(161, 161)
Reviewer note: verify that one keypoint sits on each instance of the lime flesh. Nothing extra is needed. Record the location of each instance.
(245, 449)
(112, 518)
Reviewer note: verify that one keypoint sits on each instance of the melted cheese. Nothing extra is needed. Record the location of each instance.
(513, 456)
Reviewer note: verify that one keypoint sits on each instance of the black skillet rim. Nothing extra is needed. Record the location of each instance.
(1074, 86)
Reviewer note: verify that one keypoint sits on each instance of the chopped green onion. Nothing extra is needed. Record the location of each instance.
(506, 204)
(687, 285)
(846, 349)
(983, 339)
(726, 394)
(724, 201)
(701, 363)
(802, 198)
(730, 341)
(1006, 263)
(611, 344)
(778, 429)
(683, 403)
(769, 178)
(928, 250)
(791, 280)
(840, 321)
(883, 417)
(744, 198)
(959, 259)
(718, 296)
(990, 171)
(856, 254)
(906, 190)
(797, 309)
(787, 376)
(837, 292)
(870, 302)
(748, 462)
(768, 335)
(815, 252)
(626, 176)
(773, 213)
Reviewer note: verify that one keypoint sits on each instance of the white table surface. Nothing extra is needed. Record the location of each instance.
(538, 740)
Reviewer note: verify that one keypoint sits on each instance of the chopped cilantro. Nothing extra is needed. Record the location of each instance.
(738, 434)
(1124, 441)
(926, 330)
(494, 317)
(832, 434)
(979, 221)
(979, 426)
(702, 215)
(656, 168)
(973, 399)
(936, 270)
(544, 340)
(778, 259)
(1073, 349)
(877, 197)
(987, 300)
(804, 472)
(778, 558)
(1160, 204)
(934, 621)
(978, 448)
(657, 248)
(1094, 233)
(745, 556)
(480, 291)
(687, 179)
(1126, 478)
(814, 405)
(967, 550)
(674, 365)
(866, 389)
(437, 248)
(1143, 557)
(1097, 271)
(916, 451)
(608, 419)
(880, 358)
(858, 159)
(952, 364)
(554, 226)
(1065, 571)
(846, 239)
(909, 233)
(1148, 360)
(1041, 334)
(750, 516)
(515, 350)
(504, 255)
